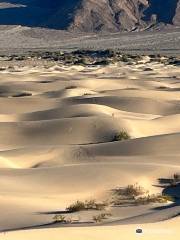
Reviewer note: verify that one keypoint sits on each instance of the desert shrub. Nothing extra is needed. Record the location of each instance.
(101, 217)
(121, 136)
(90, 204)
(20, 58)
(102, 62)
(62, 219)
(130, 191)
(135, 194)
(125, 58)
(101, 206)
(148, 69)
(127, 195)
(167, 198)
(154, 199)
(93, 205)
(76, 207)
(84, 60)
(134, 190)
(87, 205)
(59, 218)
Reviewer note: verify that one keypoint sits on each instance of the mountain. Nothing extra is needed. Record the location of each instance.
(90, 15)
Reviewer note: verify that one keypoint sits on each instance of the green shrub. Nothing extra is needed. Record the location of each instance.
(121, 136)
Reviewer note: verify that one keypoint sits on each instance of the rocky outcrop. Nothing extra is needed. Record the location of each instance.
(109, 15)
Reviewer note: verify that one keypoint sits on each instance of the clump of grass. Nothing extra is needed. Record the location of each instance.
(125, 58)
(100, 217)
(84, 60)
(130, 191)
(167, 198)
(59, 218)
(87, 205)
(101, 62)
(153, 199)
(69, 59)
(136, 195)
(76, 207)
(100, 206)
(93, 205)
(87, 94)
(121, 136)
(62, 219)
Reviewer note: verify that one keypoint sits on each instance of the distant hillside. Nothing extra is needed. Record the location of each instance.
(91, 15)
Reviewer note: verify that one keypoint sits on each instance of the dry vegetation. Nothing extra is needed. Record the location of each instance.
(121, 136)
(100, 217)
(58, 218)
(122, 196)
(87, 205)
(136, 195)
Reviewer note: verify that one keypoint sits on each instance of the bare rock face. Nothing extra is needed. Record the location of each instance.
(125, 15)
(109, 15)
(91, 15)
(116, 15)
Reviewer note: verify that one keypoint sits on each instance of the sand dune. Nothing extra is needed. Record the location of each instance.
(168, 230)
(58, 126)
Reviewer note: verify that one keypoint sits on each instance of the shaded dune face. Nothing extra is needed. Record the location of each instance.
(164, 10)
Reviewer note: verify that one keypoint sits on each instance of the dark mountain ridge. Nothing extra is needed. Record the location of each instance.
(90, 15)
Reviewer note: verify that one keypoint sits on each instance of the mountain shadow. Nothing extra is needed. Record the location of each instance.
(164, 10)
(38, 13)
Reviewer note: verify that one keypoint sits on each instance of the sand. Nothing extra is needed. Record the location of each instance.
(57, 130)
(166, 230)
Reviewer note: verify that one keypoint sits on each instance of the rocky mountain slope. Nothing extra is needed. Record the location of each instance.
(91, 15)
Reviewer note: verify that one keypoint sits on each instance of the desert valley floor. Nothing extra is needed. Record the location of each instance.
(59, 143)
